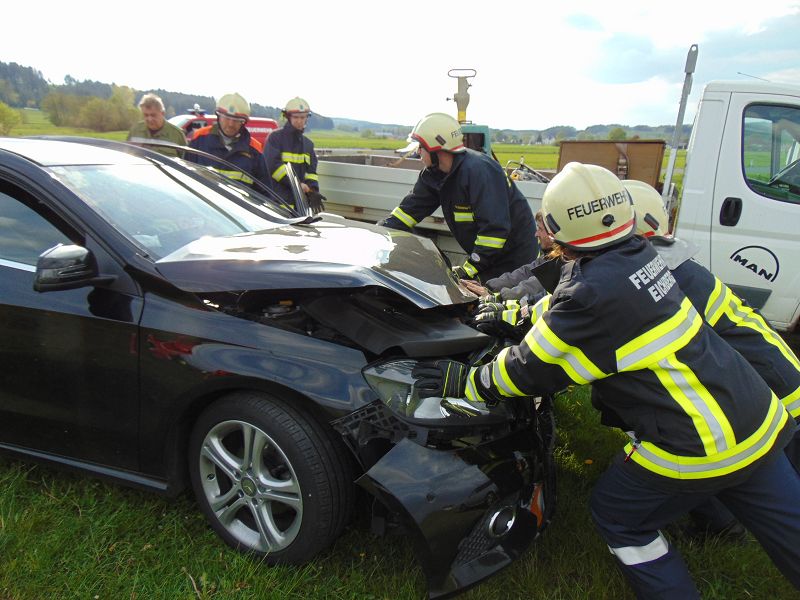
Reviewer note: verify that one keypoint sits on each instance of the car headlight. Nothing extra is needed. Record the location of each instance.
(394, 385)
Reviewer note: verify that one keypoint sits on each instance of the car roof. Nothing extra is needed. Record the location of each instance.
(51, 153)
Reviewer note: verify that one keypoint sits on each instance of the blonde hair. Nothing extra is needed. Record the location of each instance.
(151, 101)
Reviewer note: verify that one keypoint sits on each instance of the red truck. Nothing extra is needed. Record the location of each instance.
(259, 127)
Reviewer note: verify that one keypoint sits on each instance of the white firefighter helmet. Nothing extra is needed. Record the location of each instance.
(651, 218)
(586, 207)
(439, 131)
(234, 106)
(297, 106)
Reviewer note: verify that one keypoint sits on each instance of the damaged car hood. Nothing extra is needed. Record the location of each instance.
(329, 253)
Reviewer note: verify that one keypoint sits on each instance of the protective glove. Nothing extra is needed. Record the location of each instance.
(460, 272)
(491, 297)
(316, 201)
(495, 306)
(507, 320)
(440, 378)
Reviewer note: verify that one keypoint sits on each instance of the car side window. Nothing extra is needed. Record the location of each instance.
(26, 228)
(771, 151)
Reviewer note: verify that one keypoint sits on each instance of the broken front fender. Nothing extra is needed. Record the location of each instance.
(472, 510)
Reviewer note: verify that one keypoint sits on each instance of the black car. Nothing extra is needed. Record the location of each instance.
(164, 326)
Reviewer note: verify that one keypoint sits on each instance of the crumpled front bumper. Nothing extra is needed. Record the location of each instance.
(472, 510)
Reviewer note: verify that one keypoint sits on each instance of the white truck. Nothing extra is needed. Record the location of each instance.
(740, 200)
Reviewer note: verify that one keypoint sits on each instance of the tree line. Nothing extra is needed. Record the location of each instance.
(101, 106)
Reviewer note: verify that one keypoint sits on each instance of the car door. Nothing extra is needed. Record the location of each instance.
(68, 359)
(755, 220)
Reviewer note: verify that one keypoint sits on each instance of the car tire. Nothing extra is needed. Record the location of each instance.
(270, 478)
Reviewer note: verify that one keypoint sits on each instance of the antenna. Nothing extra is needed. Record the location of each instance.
(753, 76)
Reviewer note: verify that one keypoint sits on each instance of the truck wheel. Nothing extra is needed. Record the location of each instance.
(270, 479)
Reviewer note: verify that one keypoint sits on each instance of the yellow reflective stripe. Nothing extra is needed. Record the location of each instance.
(549, 348)
(510, 316)
(660, 341)
(401, 215)
(295, 158)
(312, 177)
(716, 303)
(490, 242)
(792, 403)
(279, 173)
(235, 175)
(744, 316)
(463, 217)
(471, 391)
(663, 463)
(538, 309)
(469, 268)
(500, 376)
(709, 420)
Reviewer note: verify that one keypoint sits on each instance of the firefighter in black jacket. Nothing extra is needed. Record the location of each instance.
(732, 319)
(488, 216)
(289, 145)
(229, 139)
(703, 423)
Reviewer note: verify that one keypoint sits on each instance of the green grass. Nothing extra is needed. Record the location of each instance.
(35, 122)
(66, 536)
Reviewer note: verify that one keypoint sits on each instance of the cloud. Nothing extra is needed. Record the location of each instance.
(583, 22)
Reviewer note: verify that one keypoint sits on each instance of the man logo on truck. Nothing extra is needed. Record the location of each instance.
(759, 260)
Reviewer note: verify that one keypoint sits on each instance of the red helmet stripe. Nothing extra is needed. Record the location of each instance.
(602, 236)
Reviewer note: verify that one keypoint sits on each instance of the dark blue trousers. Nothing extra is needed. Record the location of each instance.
(629, 512)
(713, 515)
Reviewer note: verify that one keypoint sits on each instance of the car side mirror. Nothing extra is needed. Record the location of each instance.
(67, 268)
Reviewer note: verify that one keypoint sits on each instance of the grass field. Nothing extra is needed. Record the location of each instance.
(65, 536)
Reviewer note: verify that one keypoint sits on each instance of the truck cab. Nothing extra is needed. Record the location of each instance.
(741, 193)
(259, 127)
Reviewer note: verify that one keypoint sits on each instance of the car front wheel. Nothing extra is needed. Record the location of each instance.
(270, 479)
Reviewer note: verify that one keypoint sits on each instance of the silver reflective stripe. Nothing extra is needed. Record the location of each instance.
(723, 296)
(697, 401)
(793, 406)
(636, 555)
(555, 353)
(659, 344)
(766, 332)
(713, 465)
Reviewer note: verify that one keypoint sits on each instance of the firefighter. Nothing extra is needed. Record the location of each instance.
(733, 320)
(289, 145)
(521, 283)
(230, 140)
(703, 423)
(488, 216)
(730, 316)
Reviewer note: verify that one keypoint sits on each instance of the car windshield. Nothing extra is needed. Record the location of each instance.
(161, 209)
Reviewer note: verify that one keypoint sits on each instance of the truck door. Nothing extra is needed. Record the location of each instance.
(755, 247)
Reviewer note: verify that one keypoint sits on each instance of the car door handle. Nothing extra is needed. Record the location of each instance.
(730, 212)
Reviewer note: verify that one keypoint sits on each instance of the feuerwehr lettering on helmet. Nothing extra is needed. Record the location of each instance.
(585, 209)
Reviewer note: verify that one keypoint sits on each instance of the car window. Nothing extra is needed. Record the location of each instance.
(771, 151)
(24, 232)
(160, 208)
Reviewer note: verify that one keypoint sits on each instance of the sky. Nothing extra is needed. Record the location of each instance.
(576, 62)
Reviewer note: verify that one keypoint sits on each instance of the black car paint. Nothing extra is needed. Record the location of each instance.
(109, 378)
